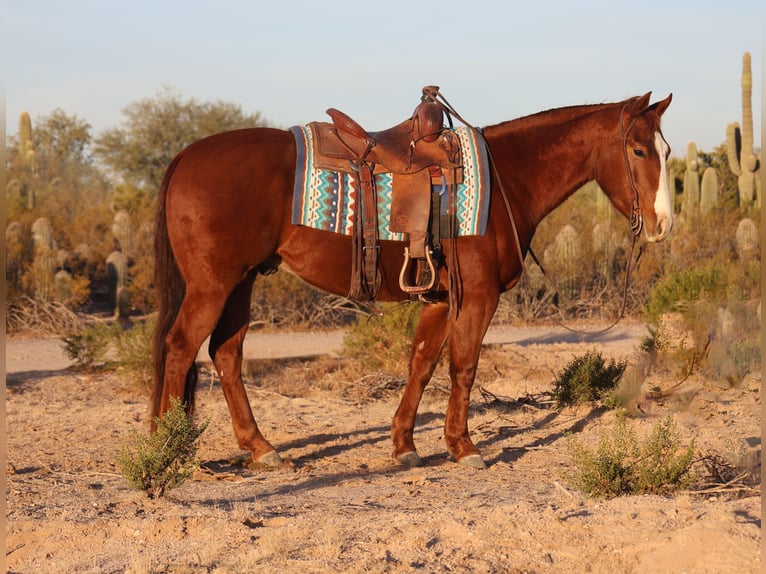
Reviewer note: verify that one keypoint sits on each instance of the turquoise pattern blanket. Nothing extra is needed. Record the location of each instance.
(323, 199)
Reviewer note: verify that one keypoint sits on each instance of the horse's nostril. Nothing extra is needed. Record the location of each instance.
(664, 226)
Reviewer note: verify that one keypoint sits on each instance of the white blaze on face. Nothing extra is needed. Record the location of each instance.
(663, 206)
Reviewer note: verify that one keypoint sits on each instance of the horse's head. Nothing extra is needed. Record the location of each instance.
(635, 178)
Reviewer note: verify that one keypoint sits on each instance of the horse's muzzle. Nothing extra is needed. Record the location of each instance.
(661, 231)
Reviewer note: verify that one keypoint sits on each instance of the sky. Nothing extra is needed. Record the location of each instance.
(291, 60)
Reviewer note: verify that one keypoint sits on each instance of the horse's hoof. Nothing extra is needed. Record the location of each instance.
(271, 459)
(474, 461)
(409, 459)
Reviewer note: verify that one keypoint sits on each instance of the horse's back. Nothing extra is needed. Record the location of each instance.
(254, 152)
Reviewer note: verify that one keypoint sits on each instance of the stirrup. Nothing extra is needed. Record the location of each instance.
(417, 289)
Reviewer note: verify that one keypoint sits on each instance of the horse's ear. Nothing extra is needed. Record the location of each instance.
(641, 104)
(662, 105)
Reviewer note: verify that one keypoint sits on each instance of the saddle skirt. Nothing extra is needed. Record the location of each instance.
(326, 183)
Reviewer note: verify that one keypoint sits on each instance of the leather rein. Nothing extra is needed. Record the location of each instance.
(636, 218)
(636, 224)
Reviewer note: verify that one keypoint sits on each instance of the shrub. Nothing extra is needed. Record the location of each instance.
(384, 340)
(622, 465)
(134, 353)
(160, 461)
(588, 378)
(679, 289)
(717, 306)
(87, 345)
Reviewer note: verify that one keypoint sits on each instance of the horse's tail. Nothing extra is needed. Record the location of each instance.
(171, 288)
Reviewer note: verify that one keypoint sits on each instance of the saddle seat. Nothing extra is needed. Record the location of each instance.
(409, 147)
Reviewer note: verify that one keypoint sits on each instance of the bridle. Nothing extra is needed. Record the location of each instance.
(636, 218)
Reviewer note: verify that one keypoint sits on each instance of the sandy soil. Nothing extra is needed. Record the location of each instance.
(340, 504)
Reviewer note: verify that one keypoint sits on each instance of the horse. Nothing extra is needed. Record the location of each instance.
(223, 217)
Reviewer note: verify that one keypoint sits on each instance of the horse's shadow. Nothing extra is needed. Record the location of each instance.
(18, 381)
(512, 454)
(327, 445)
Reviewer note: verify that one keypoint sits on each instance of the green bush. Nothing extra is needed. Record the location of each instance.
(718, 307)
(87, 346)
(621, 465)
(679, 289)
(134, 353)
(384, 340)
(588, 378)
(165, 459)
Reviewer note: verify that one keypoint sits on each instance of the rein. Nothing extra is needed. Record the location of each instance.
(636, 224)
(636, 218)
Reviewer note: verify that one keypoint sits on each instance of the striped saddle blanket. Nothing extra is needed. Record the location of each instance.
(323, 199)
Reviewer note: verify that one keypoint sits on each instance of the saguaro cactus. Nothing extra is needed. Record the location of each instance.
(604, 209)
(26, 147)
(604, 248)
(117, 277)
(123, 232)
(27, 156)
(746, 238)
(63, 283)
(691, 198)
(14, 249)
(739, 142)
(44, 264)
(563, 256)
(709, 190)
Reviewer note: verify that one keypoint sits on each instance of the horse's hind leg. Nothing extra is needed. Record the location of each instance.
(195, 320)
(226, 352)
(430, 335)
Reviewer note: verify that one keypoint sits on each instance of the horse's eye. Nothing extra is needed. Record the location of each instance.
(639, 152)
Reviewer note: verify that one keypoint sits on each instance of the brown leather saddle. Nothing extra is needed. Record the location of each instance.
(419, 153)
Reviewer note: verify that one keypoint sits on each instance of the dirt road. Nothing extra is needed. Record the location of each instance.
(27, 354)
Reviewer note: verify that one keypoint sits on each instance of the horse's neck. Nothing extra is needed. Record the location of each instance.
(543, 159)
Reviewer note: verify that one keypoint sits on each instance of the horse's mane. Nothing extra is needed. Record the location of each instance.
(554, 116)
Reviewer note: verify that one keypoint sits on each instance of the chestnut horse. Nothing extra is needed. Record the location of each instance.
(224, 216)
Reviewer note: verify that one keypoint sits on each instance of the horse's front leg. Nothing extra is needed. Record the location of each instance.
(430, 335)
(467, 334)
(226, 352)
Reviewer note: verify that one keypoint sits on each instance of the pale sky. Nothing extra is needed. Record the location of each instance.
(290, 60)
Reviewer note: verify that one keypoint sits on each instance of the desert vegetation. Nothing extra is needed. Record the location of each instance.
(572, 433)
(79, 263)
(80, 216)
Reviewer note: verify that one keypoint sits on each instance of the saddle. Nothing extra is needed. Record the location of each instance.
(421, 155)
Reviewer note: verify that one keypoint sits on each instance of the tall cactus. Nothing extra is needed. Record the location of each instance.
(27, 156)
(709, 190)
(563, 256)
(117, 277)
(63, 286)
(604, 209)
(604, 248)
(44, 264)
(123, 232)
(14, 249)
(746, 238)
(691, 198)
(26, 147)
(739, 142)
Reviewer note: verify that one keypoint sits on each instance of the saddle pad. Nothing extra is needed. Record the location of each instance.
(323, 199)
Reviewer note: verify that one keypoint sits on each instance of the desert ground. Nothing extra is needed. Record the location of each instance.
(339, 503)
